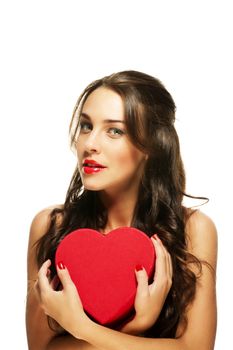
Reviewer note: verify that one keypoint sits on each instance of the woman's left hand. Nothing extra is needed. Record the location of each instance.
(65, 305)
(149, 299)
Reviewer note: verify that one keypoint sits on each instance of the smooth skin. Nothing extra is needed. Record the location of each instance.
(107, 143)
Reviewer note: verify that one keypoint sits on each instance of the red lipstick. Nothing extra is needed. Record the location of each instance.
(90, 166)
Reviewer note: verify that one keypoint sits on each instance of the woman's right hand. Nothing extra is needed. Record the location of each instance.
(150, 299)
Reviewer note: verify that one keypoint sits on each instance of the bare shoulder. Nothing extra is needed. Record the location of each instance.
(41, 222)
(39, 227)
(202, 236)
(201, 240)
(200, 224)
(38, 332)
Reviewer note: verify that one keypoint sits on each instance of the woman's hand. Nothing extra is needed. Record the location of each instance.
(64, 305)
(150, 299)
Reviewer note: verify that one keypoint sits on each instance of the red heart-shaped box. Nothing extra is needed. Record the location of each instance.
(103, 269)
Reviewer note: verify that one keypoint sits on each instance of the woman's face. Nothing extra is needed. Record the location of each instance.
(107, 159)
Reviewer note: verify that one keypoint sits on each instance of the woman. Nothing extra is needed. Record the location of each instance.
(125, 123)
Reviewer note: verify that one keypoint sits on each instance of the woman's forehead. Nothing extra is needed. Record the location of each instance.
(105, 104)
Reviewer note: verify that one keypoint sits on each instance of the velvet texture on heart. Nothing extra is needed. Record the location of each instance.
(102, 266)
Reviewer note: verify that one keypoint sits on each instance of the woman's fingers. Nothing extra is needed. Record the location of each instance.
(43, 281)
(170, 265)
(64, 276)
(68, 285)
(168, 259)
(142, 281)
(40, 283)
(150, 299)
(161, 264)
(163, 269)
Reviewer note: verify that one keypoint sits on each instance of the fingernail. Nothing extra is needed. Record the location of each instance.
(138, 267)
(61, 265)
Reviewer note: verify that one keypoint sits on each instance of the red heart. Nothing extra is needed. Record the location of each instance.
(102, 268)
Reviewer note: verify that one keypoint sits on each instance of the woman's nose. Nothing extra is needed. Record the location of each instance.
(92, 143)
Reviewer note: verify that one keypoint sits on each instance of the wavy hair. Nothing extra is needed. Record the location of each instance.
(150, 117)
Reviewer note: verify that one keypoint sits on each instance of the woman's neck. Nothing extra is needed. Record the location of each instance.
(120, 210)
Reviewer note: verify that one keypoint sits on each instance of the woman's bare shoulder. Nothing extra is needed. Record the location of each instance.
(41, 222)
(202, 236)
(198, 219)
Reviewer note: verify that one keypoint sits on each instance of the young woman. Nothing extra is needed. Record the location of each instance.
(129, 173)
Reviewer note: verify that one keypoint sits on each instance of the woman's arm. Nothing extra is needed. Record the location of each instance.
(201, 315)
(66, 304)
(38, 332)
(39, 335)
(71, 343)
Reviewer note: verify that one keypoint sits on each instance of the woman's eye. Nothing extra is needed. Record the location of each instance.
(85, 127)
(115, 132)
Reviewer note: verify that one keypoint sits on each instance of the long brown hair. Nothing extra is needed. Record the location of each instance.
(150, 118)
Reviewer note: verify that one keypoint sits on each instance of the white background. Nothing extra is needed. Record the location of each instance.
(50, 50)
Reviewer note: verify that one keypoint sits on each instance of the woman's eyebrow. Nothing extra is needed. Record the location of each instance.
(85, 115)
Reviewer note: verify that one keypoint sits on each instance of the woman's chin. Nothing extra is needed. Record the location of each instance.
(93, 187)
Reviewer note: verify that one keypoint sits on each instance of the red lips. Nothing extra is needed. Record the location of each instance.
(90, 166)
